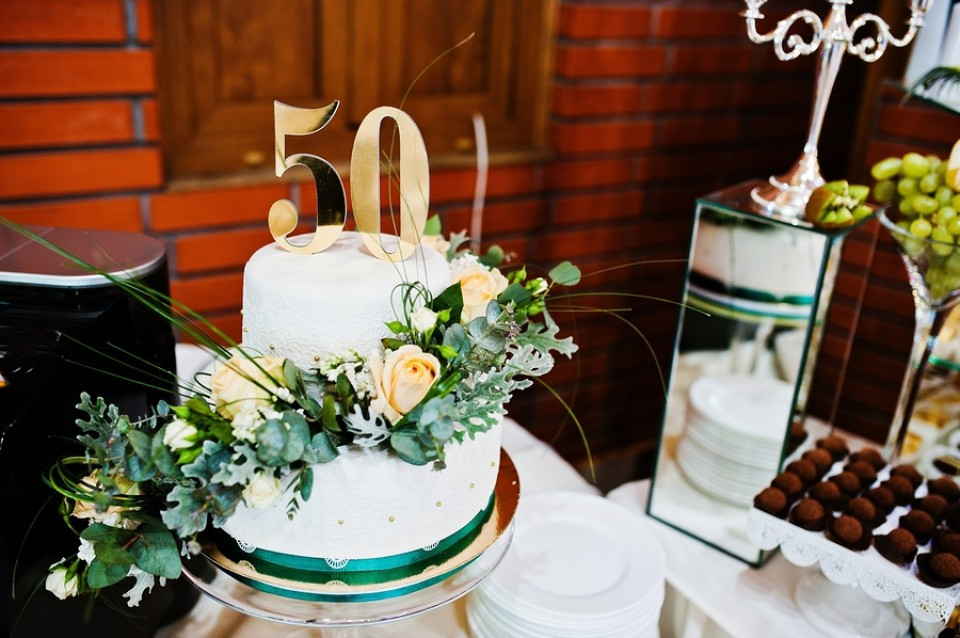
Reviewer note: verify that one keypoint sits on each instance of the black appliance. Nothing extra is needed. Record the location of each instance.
(56, 323)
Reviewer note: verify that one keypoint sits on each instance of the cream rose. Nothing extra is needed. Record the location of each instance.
(240, 386)
(479, 286)
(60, 584)
(111, 516)
(262, 491)
(179, 434)
(402, 379)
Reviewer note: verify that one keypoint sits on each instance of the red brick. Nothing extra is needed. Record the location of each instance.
(229, 323)
(675, 166)
(714, 59)
(456, 185)
(212, 292)
(151, 120)
(937, 127)
(596, 100)
(62, 21)
(609, 61)
(691, 96)
(578, 243)
(604, 22)
(690, 22)
(100, 214)
(75, 172)
(602, 136)
(64, 123)
(590, 173)
(594, 207)
(144, 21)
(75, 72)
(218, 251)
(701, 130)
(214, 208)
(500, 217)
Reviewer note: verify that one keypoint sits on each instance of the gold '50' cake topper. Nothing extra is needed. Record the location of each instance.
(364, 181)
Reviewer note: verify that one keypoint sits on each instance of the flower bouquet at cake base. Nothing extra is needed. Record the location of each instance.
(351, 454)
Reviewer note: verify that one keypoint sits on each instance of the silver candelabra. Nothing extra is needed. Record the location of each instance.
(786, 195)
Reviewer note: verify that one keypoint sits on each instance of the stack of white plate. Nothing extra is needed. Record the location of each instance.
(736, 426)
(579, 566)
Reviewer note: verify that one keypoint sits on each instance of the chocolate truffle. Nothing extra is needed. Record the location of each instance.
(901, 487)
(790, 484)
(919, 523)
(939, 569)
(808, 514)
(805, 470)
(828, 494)
(848, 482)
(899, 546)
(882, 498)
(909, 472)
(946, 541)
(820, 458)
(864, 511)
(772, 501)
(952, 517)
(847, 531)
(934, 505)
(945, 487)
(871, 456)
(835, 445)
(864, 472)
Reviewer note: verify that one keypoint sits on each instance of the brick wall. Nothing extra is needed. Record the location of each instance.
(654, 103)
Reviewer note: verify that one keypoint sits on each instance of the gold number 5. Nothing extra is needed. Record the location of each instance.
(331, 198)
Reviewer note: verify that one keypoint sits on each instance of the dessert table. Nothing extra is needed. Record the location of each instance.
(709, 594)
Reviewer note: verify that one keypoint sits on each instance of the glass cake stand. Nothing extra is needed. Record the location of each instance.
(477, 562)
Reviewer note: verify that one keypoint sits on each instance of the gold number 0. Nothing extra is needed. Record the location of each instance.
(364, 181)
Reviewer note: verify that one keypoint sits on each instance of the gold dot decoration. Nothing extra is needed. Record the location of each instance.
(316, 357)
(439, 504)
(340, 522)
(391, 519)
(246, 329)
(472, 486)
(273, 346)
(493, 464)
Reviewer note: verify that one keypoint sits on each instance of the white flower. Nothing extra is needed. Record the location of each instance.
(423, 319)
(283, 394)
(262, 490)
(242, 384)
(178, 435)
(245, 426)
(60, 583)
(86, 552)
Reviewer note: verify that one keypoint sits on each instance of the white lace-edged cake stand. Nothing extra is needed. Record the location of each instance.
(830, 605)
(474, 564)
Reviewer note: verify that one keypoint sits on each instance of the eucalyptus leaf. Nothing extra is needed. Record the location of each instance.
(156, 552)
(406, 443)
(100, 533)
(272, 439)
(306, 484)
(494, 257)
(161, 455)
(141, 444)
(456, 337)
(138, 469)
(100, 574)
(565, 274)
(298, 436)
(328, 417)
(113, 554)
(320, 450)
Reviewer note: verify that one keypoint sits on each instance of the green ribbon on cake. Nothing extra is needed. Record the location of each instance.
(360, 597)
(356, 572)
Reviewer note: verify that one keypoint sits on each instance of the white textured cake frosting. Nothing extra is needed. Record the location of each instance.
(368, 504)
(304, 306)
(789, 262)
(365, 503)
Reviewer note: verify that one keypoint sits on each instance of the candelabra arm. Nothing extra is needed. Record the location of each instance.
(831, 54)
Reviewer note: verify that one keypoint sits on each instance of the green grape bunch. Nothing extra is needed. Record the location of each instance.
(923, 189)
